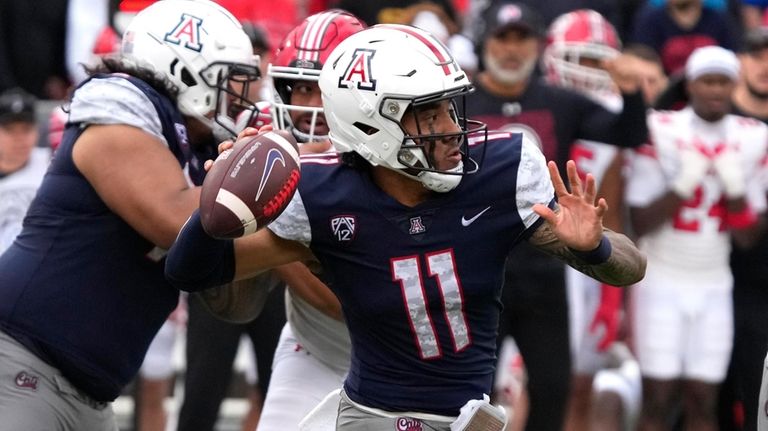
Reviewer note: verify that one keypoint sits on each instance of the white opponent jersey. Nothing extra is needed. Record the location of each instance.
(323, 336)
(16, 193)
(695, 244)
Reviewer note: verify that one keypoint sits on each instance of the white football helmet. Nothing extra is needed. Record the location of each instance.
(202, 49)
(572, 37)
(372, 78)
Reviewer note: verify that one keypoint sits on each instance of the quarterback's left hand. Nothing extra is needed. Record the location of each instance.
(579, 221)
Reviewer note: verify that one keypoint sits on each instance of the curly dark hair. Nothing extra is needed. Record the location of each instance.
(119, 64)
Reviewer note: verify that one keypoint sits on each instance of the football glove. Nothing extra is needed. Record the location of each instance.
(693, 167)
(729, 169)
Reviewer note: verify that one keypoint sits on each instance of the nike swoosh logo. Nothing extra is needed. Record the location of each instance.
(274, 156)
(466, 222)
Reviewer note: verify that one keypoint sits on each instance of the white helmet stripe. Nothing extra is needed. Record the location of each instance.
(442, 54)
(305, 36)
(313, 36)
(595, 22)
(316, 34)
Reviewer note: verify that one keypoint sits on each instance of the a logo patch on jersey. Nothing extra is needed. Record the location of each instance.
(26, 380)
(343, 227)
(468, 221)
(358, 71)
(408, 424)
(417, 226)
(186, 33)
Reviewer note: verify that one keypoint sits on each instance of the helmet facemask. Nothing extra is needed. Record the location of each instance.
(285, 84)
(417, 151)
(571, 73)
(232, 82)
(576, 44)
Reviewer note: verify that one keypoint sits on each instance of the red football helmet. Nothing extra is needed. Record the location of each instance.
(573, 38)
(300, 57)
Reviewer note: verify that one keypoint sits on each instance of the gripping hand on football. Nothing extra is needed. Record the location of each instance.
(579, 221)
(226, 145)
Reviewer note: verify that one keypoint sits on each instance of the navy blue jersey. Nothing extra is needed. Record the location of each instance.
(79, 286)
(420, 286)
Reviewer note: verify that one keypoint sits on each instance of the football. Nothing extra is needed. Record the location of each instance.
(250, 184)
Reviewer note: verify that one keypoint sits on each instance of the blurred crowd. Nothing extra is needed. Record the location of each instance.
(44, 45)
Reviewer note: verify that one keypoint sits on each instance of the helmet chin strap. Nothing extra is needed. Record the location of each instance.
(442, 182)
(225, 128)
(221, 133)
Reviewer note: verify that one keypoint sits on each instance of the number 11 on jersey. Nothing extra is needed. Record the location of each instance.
(408, 272)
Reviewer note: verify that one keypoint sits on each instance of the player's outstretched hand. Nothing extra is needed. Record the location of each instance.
(225, 145)
(579, 221)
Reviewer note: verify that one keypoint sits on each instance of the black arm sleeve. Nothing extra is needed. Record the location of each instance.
(630, 128)
(197, 261)
(626, 129)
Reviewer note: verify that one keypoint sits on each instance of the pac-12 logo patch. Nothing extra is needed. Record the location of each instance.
(343, 227)
(358, 71)
(186, 33)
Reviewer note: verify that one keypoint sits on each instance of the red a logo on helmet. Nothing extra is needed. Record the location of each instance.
(358, 71)
(186, 33)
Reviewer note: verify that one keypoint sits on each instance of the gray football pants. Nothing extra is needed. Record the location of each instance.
(352, 418)
(34, 396)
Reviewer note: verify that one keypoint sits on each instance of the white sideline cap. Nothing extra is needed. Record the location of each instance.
(712, 60)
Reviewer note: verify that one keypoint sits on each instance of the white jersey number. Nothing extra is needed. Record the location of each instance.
(407, 271)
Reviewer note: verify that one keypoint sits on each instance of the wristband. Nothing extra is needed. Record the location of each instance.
(596, 256)
(197, 261)
(742, 219)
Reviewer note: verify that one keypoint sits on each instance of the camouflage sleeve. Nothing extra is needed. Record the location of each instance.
(293, 223)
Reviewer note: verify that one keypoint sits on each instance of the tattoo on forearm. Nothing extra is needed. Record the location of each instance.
(625, 266)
